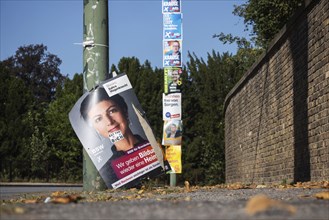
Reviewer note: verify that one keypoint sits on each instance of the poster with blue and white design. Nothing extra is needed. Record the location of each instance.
(172, 55)
(171, 6)
(172, 26)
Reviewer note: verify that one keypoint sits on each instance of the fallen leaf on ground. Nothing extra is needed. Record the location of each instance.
(19, 210)
(261, 203)
(236, 186)
(30, 201)
(58, 193)
(187, 186)
(65, 199)
(9, 210)
(187, 199)
(325, 184)
(322, 195)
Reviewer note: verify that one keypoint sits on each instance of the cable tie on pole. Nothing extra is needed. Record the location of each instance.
(91, 43)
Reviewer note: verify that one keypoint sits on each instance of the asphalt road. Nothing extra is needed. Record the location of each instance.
(203, 203)
(15, 190)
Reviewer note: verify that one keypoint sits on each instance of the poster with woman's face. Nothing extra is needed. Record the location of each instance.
(112, 134)
(172, 132)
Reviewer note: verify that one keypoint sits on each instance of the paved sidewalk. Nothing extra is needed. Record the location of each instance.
(178, 203)
(38, 184)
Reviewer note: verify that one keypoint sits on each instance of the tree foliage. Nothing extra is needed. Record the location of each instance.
(205, 88)
(15, 100)
(38, 69)
(29, 81)
(266, 17)
(66, 148)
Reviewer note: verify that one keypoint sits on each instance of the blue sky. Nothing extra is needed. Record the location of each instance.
(135, 28)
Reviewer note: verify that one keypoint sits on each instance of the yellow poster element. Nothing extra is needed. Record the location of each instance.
(173, 155)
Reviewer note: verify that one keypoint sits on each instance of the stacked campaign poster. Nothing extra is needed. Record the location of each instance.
(172, 80)
(112, 128)
(172, 55)
(171, 6)
(172, 26)
(172, 33)
(172, 97)
(172, 106)
(172, 132)
(174, 154)
(172, 115)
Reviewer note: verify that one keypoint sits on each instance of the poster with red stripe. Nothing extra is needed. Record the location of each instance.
(110, 124)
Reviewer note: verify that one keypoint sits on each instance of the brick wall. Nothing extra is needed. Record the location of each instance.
(277, 116)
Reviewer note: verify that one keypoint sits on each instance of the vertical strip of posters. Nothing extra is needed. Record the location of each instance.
(171, 6)
(108, 127)
(173, 155)
(172, 106)
(172, 97)
(172, 80)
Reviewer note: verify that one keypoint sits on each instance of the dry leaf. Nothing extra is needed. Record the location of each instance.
(261, 203)
(187, 186)
(65, 199)
(298, 185)
(131, 197)
(61, 200)
(322, 195)
(30, 201)
(325, 184)
(57, 193)
(75, 198)
(187, 199)
(19, 210)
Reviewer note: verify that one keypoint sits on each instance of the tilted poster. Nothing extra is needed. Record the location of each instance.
(111, 126)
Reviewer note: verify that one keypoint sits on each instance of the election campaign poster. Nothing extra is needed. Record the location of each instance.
(172, 80)
(172, 26)
(172, 55)
(109, 123)
(171, 6)
(172, 132)
(174, 157)
(172, 106)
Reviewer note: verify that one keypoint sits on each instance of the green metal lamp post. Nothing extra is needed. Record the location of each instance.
(95, 70)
